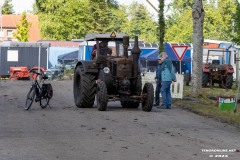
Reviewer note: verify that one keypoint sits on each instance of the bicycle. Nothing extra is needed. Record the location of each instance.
(40, 93)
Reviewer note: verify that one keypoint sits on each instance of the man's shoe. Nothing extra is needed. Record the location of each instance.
(156, 105)
(161, 107)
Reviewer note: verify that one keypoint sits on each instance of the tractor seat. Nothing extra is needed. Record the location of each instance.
(215, 61)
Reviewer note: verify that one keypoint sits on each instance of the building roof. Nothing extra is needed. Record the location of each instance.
(11, 20)
(106, 36)
(55, 43)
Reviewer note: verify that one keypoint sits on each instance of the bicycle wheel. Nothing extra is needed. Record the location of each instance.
(30, 97)
(44, 102)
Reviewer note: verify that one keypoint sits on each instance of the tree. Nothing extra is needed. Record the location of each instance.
(119, 21)
(102, 16)
(140, 23)
(22, 30)
(180, 29)
(198, 14)
(7, 7)
(161, 26)
(68, 19)
(64, 20)
(217, 23)
(236, 38)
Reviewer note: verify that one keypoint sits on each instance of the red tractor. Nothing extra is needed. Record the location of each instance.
(23, 73)
(216, 72)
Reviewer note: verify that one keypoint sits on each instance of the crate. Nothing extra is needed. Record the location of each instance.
(226, 103)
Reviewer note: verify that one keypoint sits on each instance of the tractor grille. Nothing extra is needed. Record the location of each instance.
(122, 69)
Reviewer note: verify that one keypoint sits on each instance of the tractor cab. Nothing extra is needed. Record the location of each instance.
(106, 45)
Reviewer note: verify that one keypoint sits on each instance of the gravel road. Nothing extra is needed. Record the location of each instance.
(66, 132)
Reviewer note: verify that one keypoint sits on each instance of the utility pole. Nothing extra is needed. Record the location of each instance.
(152, 6)
(161, 22)
(1, 20)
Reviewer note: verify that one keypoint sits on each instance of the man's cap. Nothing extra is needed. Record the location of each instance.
(162, 53)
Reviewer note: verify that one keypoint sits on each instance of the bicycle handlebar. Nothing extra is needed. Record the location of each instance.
(36, 72)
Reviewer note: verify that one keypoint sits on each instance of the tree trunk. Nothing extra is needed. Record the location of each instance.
(197, 58)
(161, 26)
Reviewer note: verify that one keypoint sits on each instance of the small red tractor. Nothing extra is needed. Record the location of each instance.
(216, 72)
(23, 73)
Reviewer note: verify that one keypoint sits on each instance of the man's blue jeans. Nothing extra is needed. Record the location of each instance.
(166, 94)
(157, 92)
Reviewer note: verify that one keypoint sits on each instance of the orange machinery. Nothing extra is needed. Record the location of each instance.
(23, 73)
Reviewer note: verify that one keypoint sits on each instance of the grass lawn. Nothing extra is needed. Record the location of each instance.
(206, 104)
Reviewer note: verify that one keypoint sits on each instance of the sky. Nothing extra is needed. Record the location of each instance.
(24, 5)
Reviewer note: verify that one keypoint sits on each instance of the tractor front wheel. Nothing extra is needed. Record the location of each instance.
(205, 77)
(102, 97)
(229, 80)
(147, 92)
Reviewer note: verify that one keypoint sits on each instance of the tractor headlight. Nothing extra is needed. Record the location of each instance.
(106, 70)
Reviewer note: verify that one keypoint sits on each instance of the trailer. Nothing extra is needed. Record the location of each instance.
(22, 54)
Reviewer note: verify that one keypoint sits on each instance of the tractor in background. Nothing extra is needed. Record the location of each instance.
(216, 72)
(17, 73)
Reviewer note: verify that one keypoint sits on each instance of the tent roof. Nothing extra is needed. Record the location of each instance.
(68, 56)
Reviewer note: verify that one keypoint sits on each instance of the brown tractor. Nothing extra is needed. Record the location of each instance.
(111, 77)
(214, 72)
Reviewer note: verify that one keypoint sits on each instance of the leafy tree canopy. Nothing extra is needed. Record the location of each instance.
(23, 30)
(68, 19)
(217, 22)
(7, 7)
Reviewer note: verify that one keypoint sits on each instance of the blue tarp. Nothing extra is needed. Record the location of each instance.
(68, 56)
(152, 56)
(54, 52)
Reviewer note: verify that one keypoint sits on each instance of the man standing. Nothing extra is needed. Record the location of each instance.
(158, 82)
(167, 76)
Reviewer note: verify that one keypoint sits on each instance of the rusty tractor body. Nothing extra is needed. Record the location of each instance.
(111, 77)
(214, 72)
(23, 73)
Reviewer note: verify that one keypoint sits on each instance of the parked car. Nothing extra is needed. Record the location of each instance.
(54, 73)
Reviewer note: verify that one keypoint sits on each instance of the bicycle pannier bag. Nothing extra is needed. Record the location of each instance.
(47, 90)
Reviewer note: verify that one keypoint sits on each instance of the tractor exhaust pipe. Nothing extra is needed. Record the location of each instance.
(136, 50)
(125, 46)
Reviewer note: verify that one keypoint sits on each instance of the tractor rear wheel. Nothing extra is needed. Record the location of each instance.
(229, 80)
(102, 97)
(84, 88)
(147, 103)
(205, 77)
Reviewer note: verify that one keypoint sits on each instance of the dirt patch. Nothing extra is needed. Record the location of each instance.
(67, 132)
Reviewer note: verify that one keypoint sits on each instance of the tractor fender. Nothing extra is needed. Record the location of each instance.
(88, 66)
(205, 68)
(229, 68)
(42, 70)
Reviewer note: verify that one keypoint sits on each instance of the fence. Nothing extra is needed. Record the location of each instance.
(176, 87)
